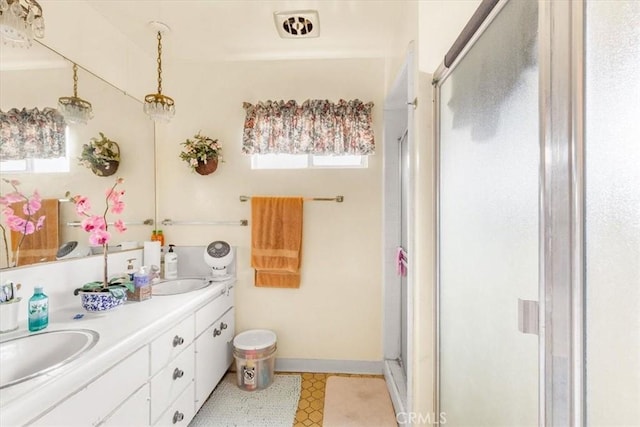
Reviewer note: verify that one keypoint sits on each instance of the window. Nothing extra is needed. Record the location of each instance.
(314, 134)
(56, 164)
(33, 141)
(306, 161)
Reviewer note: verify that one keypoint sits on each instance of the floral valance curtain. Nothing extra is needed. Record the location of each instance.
(37, 134)
(316, 127)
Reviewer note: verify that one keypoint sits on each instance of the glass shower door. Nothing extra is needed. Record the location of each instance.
(612, 212)
(488, 232)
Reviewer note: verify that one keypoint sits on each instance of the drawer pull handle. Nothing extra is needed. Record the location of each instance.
(223, 326)
(216, 332)
(177, 417)
(177, 373)
(178, 340)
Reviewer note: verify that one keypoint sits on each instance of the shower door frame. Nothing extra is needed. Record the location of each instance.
(561, 391)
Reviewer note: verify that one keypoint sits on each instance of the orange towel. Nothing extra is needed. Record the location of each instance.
(276, 241)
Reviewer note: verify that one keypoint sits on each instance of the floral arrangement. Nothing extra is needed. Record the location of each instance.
(99, 154)
(25, 225)
(99, 235)
(200, 149)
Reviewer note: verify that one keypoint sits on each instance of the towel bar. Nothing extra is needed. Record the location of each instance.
(148, 221)
(338, 199)
(242, 222)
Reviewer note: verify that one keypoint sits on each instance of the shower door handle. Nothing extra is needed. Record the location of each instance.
(528, 316)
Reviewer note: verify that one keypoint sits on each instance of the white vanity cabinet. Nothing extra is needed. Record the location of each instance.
(215, 328)
(99, 398)
(133, 412)
(172, 367)
(180, 412)
(162, 380)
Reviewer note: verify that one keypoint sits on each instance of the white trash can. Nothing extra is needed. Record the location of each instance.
(254, 351)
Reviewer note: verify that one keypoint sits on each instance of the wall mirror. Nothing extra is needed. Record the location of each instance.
(37, 77)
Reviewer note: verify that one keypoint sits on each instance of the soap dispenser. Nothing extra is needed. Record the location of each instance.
(130, 269)
(171, 264)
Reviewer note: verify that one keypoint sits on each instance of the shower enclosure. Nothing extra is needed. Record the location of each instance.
(538, 124)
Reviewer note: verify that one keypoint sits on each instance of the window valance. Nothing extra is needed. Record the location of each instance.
(316, 126)
(32, 133)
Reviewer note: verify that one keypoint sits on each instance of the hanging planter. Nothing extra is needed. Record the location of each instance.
(102, 156)
(202, 154)
(107, 168)
(208, 167)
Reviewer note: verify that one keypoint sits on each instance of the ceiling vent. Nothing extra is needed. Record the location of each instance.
(297, 24)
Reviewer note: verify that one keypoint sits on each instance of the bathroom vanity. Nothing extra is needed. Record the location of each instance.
(155, 363)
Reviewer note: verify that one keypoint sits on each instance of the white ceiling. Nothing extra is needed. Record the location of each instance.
(213, 30)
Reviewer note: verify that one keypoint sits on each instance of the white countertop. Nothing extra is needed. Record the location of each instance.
(122, 331)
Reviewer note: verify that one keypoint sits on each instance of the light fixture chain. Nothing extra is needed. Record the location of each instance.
(159, 62)
(75, 81)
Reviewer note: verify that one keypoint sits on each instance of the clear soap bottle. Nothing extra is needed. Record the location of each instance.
(38, 310)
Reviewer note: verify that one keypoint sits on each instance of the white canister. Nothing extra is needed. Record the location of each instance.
(9, 315)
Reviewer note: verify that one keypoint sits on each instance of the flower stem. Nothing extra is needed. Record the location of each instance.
(6, 245)
(23, 234)
(105, 281)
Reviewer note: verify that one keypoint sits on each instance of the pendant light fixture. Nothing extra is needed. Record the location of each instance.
(74, 109)
(20, 21)
(157, 106)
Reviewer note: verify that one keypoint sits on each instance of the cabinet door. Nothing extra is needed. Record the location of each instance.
(171, 381)
(171, 343)
(179, 412)
(134, 412)
(214, 354)
(95, 401)
(208, 314)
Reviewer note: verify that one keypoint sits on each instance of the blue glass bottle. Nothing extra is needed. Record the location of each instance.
(38, 310)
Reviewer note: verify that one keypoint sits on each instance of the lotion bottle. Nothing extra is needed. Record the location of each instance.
(171, 264)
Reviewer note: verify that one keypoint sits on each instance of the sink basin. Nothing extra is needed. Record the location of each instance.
(180, 286)
(30, 356)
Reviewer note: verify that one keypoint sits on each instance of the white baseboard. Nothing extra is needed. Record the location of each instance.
(330, 366)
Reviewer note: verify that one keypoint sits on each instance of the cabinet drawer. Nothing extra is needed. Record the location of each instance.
(167, 384)
(168, 345)
(214, 309)
(180, 412)
(93, 403)
(214, 355)
(133, 412)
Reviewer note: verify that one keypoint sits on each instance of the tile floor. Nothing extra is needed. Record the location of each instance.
(311, 404)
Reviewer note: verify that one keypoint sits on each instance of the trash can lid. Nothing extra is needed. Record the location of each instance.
(254, 339)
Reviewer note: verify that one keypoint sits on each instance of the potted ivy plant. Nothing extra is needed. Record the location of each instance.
(202, 154)
(101, 155)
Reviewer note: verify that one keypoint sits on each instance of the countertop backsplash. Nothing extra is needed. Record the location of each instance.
(59, 279)
(191, 261)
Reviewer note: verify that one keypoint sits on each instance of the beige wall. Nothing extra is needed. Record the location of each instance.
(119, 117)
(336, 313)
(339, 301)
(440, 23)
(76, 30)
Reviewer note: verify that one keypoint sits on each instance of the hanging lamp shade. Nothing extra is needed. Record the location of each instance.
(20, 21)
(74, 109)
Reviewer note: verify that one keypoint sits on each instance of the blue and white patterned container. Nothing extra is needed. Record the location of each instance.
(101, 301)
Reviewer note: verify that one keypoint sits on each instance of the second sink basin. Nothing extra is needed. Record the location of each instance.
(180, 286)
(29, 356)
